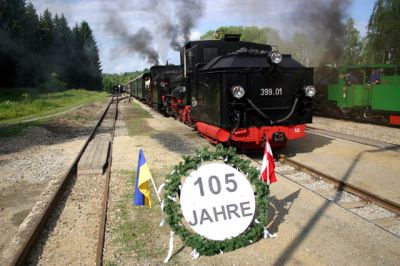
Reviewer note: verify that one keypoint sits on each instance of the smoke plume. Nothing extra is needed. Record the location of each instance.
(189, 11)
(176, 22)
(318, 23)
(139, 43)
(323, 23)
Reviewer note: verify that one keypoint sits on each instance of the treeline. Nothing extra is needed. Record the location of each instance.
(111, 80)
(381, 45)
(41, 50)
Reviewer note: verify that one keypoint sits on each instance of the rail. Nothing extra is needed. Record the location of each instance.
(21, 254)
(362, 193)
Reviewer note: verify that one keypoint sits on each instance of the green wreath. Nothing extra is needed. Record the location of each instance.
(203, 245)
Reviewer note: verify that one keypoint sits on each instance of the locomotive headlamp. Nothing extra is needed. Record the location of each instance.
(310, 91)
(238, 91)
(275, 57)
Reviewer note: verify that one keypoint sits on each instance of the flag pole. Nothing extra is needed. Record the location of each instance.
(155, 189)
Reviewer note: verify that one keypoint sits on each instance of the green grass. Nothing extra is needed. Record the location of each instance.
(139, 112)
(138, 126)
(135, 120)
(138, 229)
(19, 104)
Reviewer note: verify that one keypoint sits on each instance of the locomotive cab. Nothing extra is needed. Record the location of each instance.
(244, 92)
(161, 77)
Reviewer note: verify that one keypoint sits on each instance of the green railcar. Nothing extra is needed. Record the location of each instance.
(356, 92)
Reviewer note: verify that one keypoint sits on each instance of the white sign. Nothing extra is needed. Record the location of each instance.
(217, 201)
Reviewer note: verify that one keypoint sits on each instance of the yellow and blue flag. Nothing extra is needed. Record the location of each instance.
(142, 188)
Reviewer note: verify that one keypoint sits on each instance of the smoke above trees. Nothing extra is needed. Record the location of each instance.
(173, 20)
(319, 23)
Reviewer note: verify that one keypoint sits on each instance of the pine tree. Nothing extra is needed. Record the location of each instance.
(91, 66)
(46, 38)
(41, 50)
(63, 43)
(29, 67)
(74, 59)
(11, 32)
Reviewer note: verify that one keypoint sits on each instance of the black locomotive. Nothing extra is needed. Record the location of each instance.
(236, 92)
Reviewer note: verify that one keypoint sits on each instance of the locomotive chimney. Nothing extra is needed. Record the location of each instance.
(184, 61)
(231, 37)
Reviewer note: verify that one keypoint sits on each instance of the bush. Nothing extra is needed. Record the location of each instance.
(54, 84)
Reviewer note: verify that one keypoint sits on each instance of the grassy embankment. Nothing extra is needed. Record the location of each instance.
(21, 108)
(137, 236)
(135, 119)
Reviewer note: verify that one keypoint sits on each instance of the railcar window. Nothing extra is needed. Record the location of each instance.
(200, 90)
(388, 71)
(354, 76)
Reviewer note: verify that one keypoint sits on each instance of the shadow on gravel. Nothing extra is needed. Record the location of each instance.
(174, 143)
(278, 209)
(305, 145)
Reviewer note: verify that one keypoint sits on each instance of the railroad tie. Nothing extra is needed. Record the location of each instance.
(94, 159)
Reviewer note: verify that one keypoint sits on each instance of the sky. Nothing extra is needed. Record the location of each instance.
(131, 15)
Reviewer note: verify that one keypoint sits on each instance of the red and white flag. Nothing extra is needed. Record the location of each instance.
(268, 165)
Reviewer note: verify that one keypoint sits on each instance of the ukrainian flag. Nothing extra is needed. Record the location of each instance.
(142, 189)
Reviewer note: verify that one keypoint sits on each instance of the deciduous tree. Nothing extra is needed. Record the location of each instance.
(383, 32)
(352, 45)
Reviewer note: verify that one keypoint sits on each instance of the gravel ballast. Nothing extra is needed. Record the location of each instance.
(33, 162)
(375, 132)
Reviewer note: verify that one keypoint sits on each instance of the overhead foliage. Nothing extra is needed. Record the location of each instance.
(352, 45)
(36, 49)
(252, 33)
(383, 32)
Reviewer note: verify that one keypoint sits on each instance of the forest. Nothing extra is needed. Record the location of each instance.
(41, 50)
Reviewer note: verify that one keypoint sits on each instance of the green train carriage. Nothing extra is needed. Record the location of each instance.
(359, 98)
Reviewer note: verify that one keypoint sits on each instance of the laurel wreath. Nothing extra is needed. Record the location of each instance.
(201, 244)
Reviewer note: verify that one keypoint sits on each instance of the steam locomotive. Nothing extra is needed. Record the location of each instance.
(366, 93)
(233, 92)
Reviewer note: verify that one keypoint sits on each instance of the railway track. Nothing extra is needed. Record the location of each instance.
(343, 186)
(361, 140)
(376, 209)
(369, 206)
(29, 239)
